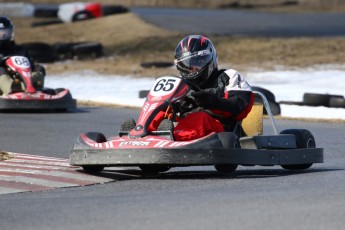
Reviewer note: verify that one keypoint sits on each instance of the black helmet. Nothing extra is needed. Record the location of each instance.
(6, 30)
(196, 58)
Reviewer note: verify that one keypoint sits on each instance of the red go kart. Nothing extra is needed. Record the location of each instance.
(19, 68)
(157, 151)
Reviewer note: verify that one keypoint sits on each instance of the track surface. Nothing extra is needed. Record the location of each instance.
(186, 198)
(241, 22)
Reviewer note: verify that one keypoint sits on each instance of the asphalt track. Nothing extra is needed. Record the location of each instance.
(183, 198)
(245, 22)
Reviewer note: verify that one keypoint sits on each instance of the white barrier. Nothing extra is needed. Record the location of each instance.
(17, 9)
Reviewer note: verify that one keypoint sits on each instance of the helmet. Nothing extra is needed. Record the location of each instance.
(6, 31)
(196, 58)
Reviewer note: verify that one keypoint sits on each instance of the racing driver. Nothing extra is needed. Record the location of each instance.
(9, 48)
(222, 96)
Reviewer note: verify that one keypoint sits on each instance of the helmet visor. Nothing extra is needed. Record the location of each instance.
(191, 64)
(6, 34)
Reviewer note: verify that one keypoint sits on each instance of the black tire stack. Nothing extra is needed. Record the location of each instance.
(45, 53)
(318, 99)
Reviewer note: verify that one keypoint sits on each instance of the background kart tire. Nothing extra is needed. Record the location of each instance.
(46, 11)
(143, 93)
(229, 140)
(154, 169)
(87, 50)
(63, 50)
(337, 102)
(156, 64)
(49, 91)
(316, 99)
(304, 139)
(40, 52)
(113, 9)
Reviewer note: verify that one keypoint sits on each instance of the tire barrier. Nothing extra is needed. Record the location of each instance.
(45, 53)
(318, 99)
(46, 11)
(40, 52)
(46, 22)
(157, 64)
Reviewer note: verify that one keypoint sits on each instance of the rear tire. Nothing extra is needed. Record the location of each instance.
(304, 139)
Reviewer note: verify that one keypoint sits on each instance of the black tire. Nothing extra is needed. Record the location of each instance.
(40, 52)
(87, 50)
(229, 140)
(337, 102)
(46, 23)
(157, 64)
(46, 11)
(304, 139)
(113, 9)
(99, 138)
(143, 93)
(63, 50)
(316, 99)
(154, 169)
(49, 91)
(268, 94)
(128, 125)
(81, 16)
(58, 90)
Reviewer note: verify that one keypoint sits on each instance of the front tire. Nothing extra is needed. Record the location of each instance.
(304, 139)
(229, 140)
(99, 138)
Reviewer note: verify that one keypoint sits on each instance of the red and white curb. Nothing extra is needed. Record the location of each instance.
(23, 172)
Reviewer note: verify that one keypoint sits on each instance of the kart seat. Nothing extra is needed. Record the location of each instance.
(252, 124)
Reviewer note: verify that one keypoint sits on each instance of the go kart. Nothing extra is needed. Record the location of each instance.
(157, 151)
(19, 68)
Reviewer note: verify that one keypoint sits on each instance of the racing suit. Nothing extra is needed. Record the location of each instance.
(7, 83)
(226, 98)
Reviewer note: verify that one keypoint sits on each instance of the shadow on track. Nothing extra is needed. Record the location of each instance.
(130, 174)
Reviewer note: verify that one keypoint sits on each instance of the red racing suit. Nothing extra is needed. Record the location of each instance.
(232, 101)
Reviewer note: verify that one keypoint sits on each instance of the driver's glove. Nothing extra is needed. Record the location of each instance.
(204, 99)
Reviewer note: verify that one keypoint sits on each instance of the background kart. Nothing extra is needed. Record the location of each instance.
(156, 151)
(19, 69)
